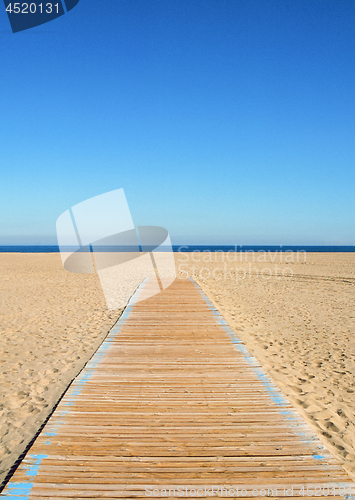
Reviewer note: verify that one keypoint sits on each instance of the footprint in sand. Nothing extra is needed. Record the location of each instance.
(331, 426)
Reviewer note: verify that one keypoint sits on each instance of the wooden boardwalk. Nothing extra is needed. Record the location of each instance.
(173, 399)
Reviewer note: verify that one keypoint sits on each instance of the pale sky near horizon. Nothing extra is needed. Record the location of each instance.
(225, 121)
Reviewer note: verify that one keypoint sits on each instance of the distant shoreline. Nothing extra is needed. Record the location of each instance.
(189, 248)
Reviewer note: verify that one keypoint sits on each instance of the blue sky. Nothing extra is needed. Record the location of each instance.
(225, 121)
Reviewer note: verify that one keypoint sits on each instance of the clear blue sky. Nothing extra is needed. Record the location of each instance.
(225, 121)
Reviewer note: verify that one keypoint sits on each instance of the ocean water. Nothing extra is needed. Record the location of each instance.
(190, 248)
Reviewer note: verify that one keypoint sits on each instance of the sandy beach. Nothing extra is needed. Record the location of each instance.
(294, 312)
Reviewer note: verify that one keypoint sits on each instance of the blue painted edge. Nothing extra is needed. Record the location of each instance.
(14, 490)
(31, 463)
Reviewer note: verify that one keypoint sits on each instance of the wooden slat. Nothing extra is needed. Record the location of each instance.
(173, 399)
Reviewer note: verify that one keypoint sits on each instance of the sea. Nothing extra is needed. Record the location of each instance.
(188, 248)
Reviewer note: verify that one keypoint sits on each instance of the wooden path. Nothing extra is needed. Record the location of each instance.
(173, 399)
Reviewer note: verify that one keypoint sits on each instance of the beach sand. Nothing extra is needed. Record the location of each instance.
(300, 326)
